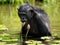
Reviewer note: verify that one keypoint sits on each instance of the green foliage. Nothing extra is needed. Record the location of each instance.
(2, 27)
(11, 1)
(51, 7)
(5, 36)
(16, 1)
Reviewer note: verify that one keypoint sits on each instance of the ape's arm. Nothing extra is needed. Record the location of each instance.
(43, 23)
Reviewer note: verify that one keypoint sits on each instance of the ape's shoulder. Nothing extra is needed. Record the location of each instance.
(40, 10)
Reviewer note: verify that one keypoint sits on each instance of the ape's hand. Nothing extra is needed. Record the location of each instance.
(28, 27)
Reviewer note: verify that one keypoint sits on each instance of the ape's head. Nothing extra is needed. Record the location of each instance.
(25, 12)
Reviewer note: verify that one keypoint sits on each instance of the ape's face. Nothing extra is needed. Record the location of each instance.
(26, 17)
(25, 12)
(23, 18)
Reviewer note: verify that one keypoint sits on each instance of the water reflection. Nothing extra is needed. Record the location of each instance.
(9, 17)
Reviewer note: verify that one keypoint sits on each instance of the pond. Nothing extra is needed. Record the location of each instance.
(9, 18)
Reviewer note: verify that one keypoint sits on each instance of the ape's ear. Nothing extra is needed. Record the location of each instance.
(17, 8)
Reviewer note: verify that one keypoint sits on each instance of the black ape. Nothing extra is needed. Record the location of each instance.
(38, 20)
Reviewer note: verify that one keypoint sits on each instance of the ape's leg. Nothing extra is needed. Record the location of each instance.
(24, 39)
(23, 43)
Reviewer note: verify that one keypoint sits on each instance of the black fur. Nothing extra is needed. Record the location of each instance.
(38, 20)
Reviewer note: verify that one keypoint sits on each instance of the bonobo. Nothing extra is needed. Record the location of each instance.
(36, 20)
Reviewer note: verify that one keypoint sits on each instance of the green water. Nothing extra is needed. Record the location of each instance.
(9, 18)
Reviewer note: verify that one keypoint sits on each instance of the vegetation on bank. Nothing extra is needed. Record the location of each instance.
(16, 1)
(10, 1)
